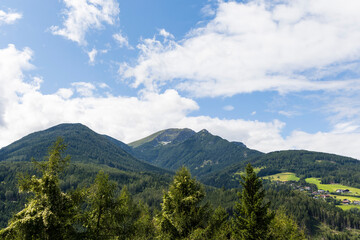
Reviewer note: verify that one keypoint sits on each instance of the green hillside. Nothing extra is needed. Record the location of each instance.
(329, 168)
(146, 186)
(215, 161)
(83, 144)
(90, 152)
(201, 152)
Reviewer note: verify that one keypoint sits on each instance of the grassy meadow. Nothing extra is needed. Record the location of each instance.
(283, 177)
(332, 187)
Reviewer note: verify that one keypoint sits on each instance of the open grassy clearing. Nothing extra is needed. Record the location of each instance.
(332, 187)
(283, 177)
(342, 197)
(256, 170)
(348, 207)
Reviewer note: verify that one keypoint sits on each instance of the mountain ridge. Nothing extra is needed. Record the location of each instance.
(83, 144)
(202, 152)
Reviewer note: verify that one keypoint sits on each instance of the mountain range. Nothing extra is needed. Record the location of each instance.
(146, 167)
(210, 158)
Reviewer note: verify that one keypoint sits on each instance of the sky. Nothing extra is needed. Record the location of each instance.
(273, 74)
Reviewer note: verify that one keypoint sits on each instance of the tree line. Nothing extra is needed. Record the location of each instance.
(99, 212)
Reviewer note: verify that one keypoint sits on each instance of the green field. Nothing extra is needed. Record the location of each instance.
(256, 170)
(353, 195)
(348, 207)
(332, 187)
(283, 177)
(342, 197)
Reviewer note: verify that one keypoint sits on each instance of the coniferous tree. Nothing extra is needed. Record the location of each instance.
(182, 211)
(218, 227)
(252, 216)
(99, 219)
(132, 220)
(50, 213)
(114, 217)
(283, 227)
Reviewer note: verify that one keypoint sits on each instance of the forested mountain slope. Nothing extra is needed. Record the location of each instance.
(215, 161)
(201, 152)
(329, 167)
(83, 144)
(90, 152)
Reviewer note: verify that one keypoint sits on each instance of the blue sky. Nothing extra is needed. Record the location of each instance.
(272, 74)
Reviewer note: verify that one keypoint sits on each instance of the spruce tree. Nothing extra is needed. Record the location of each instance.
(109, 216)
(50, 213)
(252, 216)
(182, 209)
(99, 218)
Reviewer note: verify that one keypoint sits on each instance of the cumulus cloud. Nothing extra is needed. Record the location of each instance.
(24, 109)
(85, 89)
(290, 45)
(9, 17)
(12, 64)
(126, 118)
(83, 15)
(342, 143)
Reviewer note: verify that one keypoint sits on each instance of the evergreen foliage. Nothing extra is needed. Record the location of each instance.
(283, 227)
(70, 205)
(330, 168)
(50, 213)
(252, 216)
(114, 217)
(182, 209)
(83, 144)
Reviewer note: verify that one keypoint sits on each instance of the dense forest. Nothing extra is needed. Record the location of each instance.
(329, 168)
(201, 152)
(142, 201)
(100, 212)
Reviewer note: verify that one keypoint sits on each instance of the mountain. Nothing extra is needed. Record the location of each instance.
(215, 161)
(330, 168)
(90, 153)
(83, 145)
(201, 152)
(164, 137)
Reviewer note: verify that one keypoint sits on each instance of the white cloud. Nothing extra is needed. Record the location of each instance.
(64, 93)
(228, 108)
(165, 34)
(92, 54)
(85, 89)
(263, 136)
(126, 118)
(121, 40)
(289, 45)
(341, 143)
(208, 10)
(9, 17)
(12, 64)
(103, 85)
(288, 114)
(83, 15)
(24, 109)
